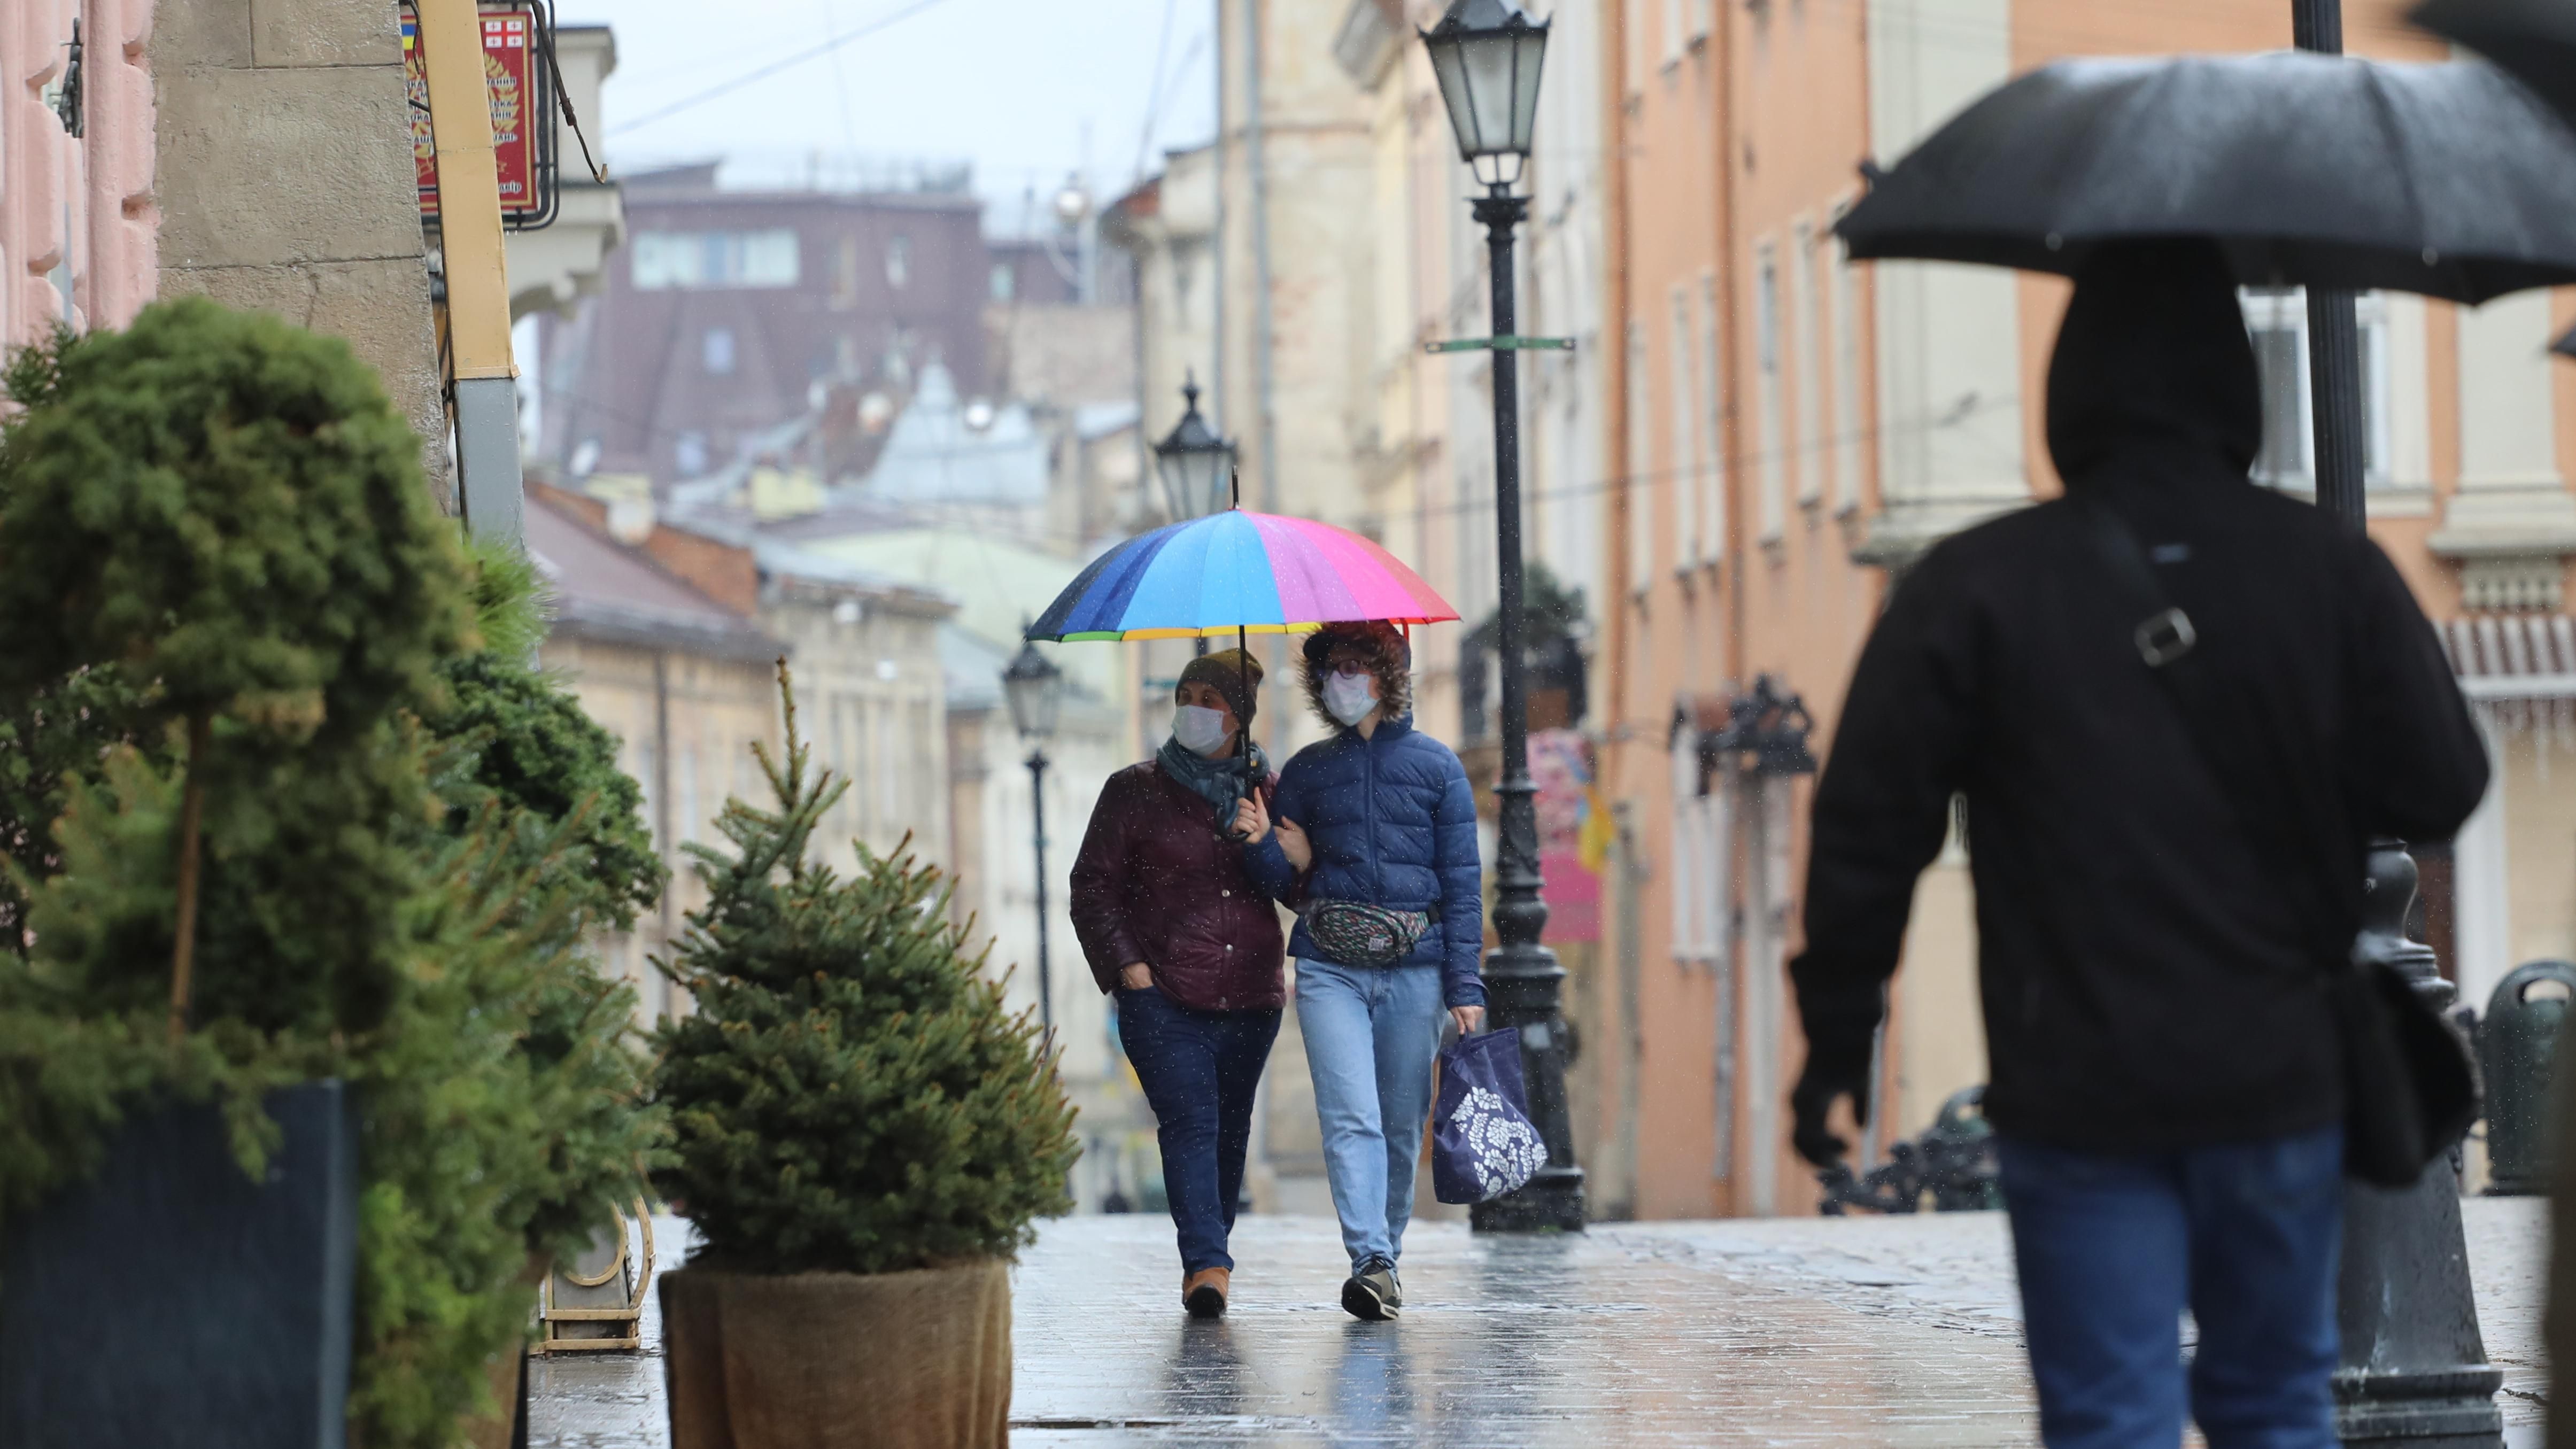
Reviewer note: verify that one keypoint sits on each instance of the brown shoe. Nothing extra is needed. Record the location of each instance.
(1203, 1292)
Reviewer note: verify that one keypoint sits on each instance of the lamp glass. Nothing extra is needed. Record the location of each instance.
(1487, 57)
(1195, 464)
(1033, 688)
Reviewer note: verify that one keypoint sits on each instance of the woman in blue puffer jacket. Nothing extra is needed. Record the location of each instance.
(1375, 843)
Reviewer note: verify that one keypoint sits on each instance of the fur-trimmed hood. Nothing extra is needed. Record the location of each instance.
(1390, 659)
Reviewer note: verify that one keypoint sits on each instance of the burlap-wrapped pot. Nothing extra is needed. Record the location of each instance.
(918, 1360)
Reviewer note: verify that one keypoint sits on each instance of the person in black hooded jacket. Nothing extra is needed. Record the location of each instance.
(2164, 1070)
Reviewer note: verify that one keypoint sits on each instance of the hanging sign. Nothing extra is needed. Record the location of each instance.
(516, 75)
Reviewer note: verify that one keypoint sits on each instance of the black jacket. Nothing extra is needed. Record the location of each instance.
(2146, 984)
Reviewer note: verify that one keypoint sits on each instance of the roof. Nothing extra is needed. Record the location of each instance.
(605, 591)
(786, 560)
(1093, 421)
(933, 456)
(998, 585)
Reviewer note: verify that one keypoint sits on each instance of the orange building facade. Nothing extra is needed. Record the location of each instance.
(1753, 436)
(1793, 430)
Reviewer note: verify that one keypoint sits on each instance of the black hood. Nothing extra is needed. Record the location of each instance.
(2153, 350)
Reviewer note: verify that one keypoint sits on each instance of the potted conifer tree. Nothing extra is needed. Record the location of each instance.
(293, 871)
(862, 1135)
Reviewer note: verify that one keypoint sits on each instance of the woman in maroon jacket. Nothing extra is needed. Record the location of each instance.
(1170, 922)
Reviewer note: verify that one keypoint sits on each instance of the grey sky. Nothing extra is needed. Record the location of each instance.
(1015, 86)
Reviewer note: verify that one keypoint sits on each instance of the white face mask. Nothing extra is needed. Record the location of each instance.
(1350, 696)
(1199, 729)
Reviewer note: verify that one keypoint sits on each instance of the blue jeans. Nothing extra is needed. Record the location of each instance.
(1199, 1070)
(2111, 1248)
(1371, 1033)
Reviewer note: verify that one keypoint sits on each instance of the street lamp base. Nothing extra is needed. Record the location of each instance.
(1551, 1203)
(2414, 1373)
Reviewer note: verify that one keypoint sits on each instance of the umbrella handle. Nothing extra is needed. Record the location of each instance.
(1243, 727)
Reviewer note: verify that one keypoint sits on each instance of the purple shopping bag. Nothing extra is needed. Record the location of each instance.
(1482, 1142)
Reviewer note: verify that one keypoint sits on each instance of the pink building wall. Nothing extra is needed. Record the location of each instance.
(75, 210)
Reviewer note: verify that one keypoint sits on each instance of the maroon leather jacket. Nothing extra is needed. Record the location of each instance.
(1158, 881)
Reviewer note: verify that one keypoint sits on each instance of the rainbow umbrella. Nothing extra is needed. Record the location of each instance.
(1240, 573)
(1248, 573)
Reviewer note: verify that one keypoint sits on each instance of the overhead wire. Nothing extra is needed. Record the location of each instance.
(727, 87)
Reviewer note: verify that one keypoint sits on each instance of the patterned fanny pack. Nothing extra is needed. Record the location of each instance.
(1354, 933)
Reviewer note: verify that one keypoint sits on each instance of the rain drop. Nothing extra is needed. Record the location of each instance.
(2056, 243)
(2432, 258)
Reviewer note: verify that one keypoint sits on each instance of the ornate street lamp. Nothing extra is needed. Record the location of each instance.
(1195, 464)
(2412, 1367)
(1487, 55)
(1034, 689)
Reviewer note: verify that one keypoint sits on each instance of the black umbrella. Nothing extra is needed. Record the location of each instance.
(2449, 180)
(2534, 41)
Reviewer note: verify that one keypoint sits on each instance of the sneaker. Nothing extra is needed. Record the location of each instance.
(1203, 1292)
(1373, 1295)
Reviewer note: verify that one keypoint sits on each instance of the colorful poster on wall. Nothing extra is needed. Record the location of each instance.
(509, 74)
(1568, 813)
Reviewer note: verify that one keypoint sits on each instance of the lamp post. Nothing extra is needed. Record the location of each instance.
(1487, 57)
(1196, 465)
(2413, 1366)
(1033, 687)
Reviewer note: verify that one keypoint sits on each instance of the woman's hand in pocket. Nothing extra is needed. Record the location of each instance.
(1136, 976)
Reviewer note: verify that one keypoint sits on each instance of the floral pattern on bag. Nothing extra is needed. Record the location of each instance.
(1501, 1143)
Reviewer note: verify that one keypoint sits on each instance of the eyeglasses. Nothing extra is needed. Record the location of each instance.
(1348, 668)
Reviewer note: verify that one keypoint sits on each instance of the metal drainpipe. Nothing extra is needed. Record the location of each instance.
(1732, 459)
(662, 839)
(1259, 181)
(1216, 249)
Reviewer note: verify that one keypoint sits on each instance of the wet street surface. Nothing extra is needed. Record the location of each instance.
(1900, 1332)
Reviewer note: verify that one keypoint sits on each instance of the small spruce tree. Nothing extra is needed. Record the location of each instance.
(851, 1095)
(220, 577)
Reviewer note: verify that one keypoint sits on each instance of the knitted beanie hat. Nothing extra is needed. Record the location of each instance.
(1225, 672)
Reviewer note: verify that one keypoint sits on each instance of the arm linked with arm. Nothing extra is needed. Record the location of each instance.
(1264, 861)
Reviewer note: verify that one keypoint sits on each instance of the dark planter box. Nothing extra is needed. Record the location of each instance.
(171, 1301)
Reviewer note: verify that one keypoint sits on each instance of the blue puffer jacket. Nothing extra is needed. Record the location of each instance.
(1393, 824)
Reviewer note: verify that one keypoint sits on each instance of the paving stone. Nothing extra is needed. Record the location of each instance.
(1896, 1332)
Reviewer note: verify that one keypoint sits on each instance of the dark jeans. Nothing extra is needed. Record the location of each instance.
(2111, 1248)
(1199, 1069)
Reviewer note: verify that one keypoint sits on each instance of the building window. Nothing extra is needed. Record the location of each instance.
(1673, 32)
(716, 351)
(1685, 460)
(691, 260)
(1712, 411)
(1641, 466)
(1847, 439)
(1006, 282)
(899, 261)
(1771, 445)
(1811, 389)
(689, 453)
(1698, 874)
(2276, 320)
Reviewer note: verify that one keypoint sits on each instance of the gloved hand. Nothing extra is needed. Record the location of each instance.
(1834, 1069)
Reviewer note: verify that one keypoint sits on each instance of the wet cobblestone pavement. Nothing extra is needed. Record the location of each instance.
(1898, 1332)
